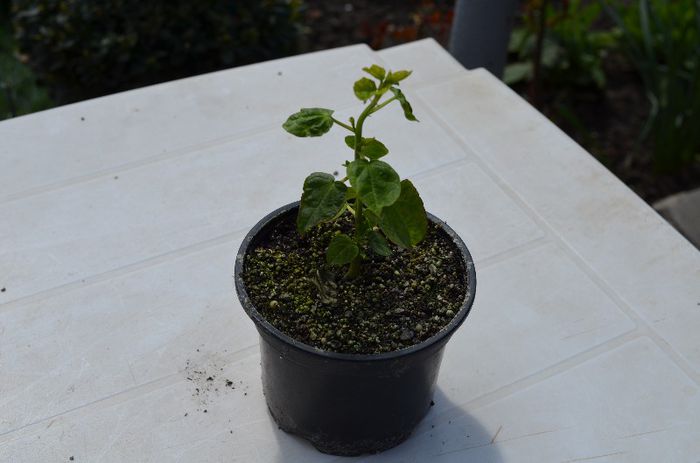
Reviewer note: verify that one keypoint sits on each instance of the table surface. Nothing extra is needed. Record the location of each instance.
(120, 218)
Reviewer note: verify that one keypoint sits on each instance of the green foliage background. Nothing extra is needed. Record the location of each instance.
(84, 48)
(19, 92)
(662, 39)
(573, 49)
(60, 51)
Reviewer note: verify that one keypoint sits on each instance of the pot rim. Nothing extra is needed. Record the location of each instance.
(441, 335)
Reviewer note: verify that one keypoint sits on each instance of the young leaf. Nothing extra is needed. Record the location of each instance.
(396, 77)
(376, 183)
(405, 222)
(364, 88)
(342, 250)
(350, 141)
(371, 147)
(375, 71)
(321, 200)
(378, 244)
(405, 105)
(309, 122)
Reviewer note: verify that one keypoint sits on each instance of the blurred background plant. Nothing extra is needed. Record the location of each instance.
(19, 92)
(82, 49)
(557, 44)
(557, 56)
(621, 77)
(662, 40)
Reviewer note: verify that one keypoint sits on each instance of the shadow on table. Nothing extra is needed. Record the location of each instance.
(448, 433)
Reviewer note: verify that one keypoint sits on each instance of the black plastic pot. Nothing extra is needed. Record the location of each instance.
(348, 404)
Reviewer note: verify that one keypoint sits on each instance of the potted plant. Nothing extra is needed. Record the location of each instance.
(355, 290)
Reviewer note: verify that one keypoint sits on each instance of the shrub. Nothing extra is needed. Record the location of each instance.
(83, 48)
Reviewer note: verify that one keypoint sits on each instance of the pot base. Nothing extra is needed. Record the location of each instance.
(330, 446)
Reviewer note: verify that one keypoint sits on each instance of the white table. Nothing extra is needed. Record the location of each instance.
(120, 218)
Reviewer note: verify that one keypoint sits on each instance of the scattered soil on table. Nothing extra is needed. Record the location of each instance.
(208, 382)
(398, 301)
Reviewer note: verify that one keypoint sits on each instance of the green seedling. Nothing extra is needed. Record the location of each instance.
(384, 206)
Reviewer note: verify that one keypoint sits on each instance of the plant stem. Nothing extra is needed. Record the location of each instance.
(354, 269)
(378, 107)
(361, 121)
(342, 124)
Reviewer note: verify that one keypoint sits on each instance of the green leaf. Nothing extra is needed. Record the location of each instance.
(598, 76)
(396, 77)
(378, 244)
(517, 38)
(405, 105)
(376, 183)
(371, 217)
(321, 200)
(517, 72)
(350, 141)
(552, 54)
(405, 222)
(364, 88)
(375, 71)
(309, 122)
(371, 147)
(342, 250)
(350, 193)
(340, 212)
(363, 228)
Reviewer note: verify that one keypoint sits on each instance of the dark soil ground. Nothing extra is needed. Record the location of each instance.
(607, 122)
(396, 302)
